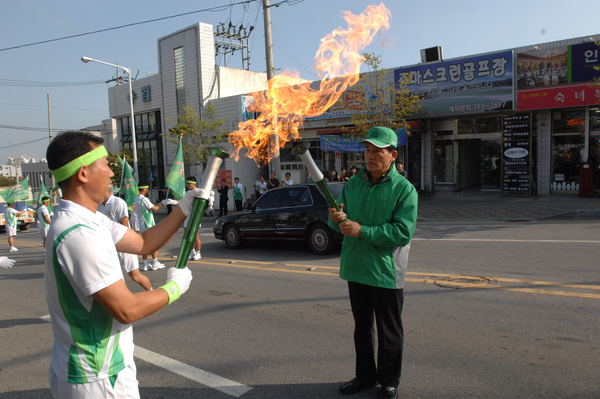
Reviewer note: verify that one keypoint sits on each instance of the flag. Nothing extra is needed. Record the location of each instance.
(175, 178)
(129, 189)
(19, 191)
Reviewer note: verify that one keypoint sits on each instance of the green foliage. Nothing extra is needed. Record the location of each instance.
(7, 181)
(386, 105)
(197, 133)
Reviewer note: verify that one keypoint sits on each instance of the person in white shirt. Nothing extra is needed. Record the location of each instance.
(288, 180)
(10, 219)
(143, 209)
(91, 308)
(44, 217)
(115, 209)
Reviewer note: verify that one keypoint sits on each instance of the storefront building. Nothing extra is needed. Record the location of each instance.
(519, 121)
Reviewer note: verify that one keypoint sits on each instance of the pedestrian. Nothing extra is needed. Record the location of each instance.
(10, 218)
(288, 180)
(261, 186)
(377, 220)
(91, 308)
(44, 217)
(273, 181)
(344, 175)
(353, 170)
(115, 209)
(400, 168)
(223, 198)
(239, 194)
(333, 175)
(143, 208)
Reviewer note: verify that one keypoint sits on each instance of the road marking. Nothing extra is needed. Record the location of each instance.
(427, 278)
(508, 240)
(200, 376)
(192, 373)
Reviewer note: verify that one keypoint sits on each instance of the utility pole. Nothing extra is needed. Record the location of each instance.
(274, 140)
(50, 133)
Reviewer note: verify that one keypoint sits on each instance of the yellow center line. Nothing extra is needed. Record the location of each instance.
(427, 278)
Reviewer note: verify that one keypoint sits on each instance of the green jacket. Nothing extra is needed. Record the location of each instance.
(387, 213)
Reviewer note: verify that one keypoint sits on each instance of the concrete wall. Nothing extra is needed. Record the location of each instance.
(544, 152)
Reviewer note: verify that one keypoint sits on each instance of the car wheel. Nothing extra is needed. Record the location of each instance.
(233, 238)
(320, 240)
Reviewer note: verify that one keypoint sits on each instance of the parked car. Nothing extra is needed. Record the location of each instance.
(23, 220)
(297, 212)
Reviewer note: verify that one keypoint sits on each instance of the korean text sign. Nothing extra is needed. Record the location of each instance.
(461, 86)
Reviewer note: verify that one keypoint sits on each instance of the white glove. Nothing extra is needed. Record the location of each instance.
(187, 201)
(169, 201)
(6, 263)
(182, 277)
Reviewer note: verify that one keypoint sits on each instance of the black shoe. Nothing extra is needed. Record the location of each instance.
(387, 393)
(354, 386)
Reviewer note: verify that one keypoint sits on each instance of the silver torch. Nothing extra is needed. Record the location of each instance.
(301, 149)
(215, 160)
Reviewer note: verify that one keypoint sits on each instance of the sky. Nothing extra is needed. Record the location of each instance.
(78, 94)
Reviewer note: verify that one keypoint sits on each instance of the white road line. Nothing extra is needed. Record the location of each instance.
(508, 240)
(195, 374)
(185, 370)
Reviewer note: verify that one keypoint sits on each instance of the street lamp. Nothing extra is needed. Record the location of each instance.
(132, 123)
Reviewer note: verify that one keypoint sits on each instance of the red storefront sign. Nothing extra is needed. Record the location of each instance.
(558, 97)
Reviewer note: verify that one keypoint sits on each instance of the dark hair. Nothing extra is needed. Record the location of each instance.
(67, 146)
(236, 178)
(191, 178)
(44, 198)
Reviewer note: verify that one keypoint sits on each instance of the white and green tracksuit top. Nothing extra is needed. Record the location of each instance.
(10, 216)
(81, 259)
(143, 211)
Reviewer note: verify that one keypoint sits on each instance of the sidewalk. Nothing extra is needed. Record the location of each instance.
(477, 205)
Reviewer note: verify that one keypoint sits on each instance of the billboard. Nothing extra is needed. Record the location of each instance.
(462, 86)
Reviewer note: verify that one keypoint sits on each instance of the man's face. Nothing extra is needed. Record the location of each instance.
(378, 160)
(99, 174)
(190, 186)
(236, 181)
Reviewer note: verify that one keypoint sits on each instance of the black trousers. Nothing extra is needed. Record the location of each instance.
(385, 307)
(222, 208)
(238, 205)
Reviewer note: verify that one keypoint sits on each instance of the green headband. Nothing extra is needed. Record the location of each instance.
(191, 182)
(140, 187)
(69, 169)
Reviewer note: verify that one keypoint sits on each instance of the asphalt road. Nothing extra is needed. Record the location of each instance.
(503, 310)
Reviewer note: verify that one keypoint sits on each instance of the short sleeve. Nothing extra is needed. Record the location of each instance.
(120, 209)
(147, 203)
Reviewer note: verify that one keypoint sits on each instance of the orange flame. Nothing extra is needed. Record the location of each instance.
(289, 99)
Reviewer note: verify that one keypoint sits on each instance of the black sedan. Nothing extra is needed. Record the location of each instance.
(297, 212)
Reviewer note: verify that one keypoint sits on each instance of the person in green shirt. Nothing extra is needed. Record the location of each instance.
(377, 219)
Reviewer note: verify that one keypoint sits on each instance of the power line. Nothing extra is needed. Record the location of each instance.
(32, 129)
(23, 143)
(34, 83)
(210, 9)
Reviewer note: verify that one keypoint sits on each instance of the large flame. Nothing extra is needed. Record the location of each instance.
(289, 98)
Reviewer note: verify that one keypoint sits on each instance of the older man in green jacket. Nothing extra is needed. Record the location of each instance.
(378, 219)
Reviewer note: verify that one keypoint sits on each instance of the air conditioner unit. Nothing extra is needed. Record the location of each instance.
(431, 54)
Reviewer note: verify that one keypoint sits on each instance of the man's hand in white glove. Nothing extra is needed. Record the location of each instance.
(187, 201)
(178, 282)
(169, 201)
(6, 263)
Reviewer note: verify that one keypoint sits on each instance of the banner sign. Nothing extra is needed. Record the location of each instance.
(341, 143)
(558, 97)
(349, 103)
(585, 59)
(516, 154)
(462, 86)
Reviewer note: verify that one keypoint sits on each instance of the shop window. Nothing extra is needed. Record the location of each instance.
(492, 124)
(568, 121)
(594, 119)
(566, 161)
(443, 161)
